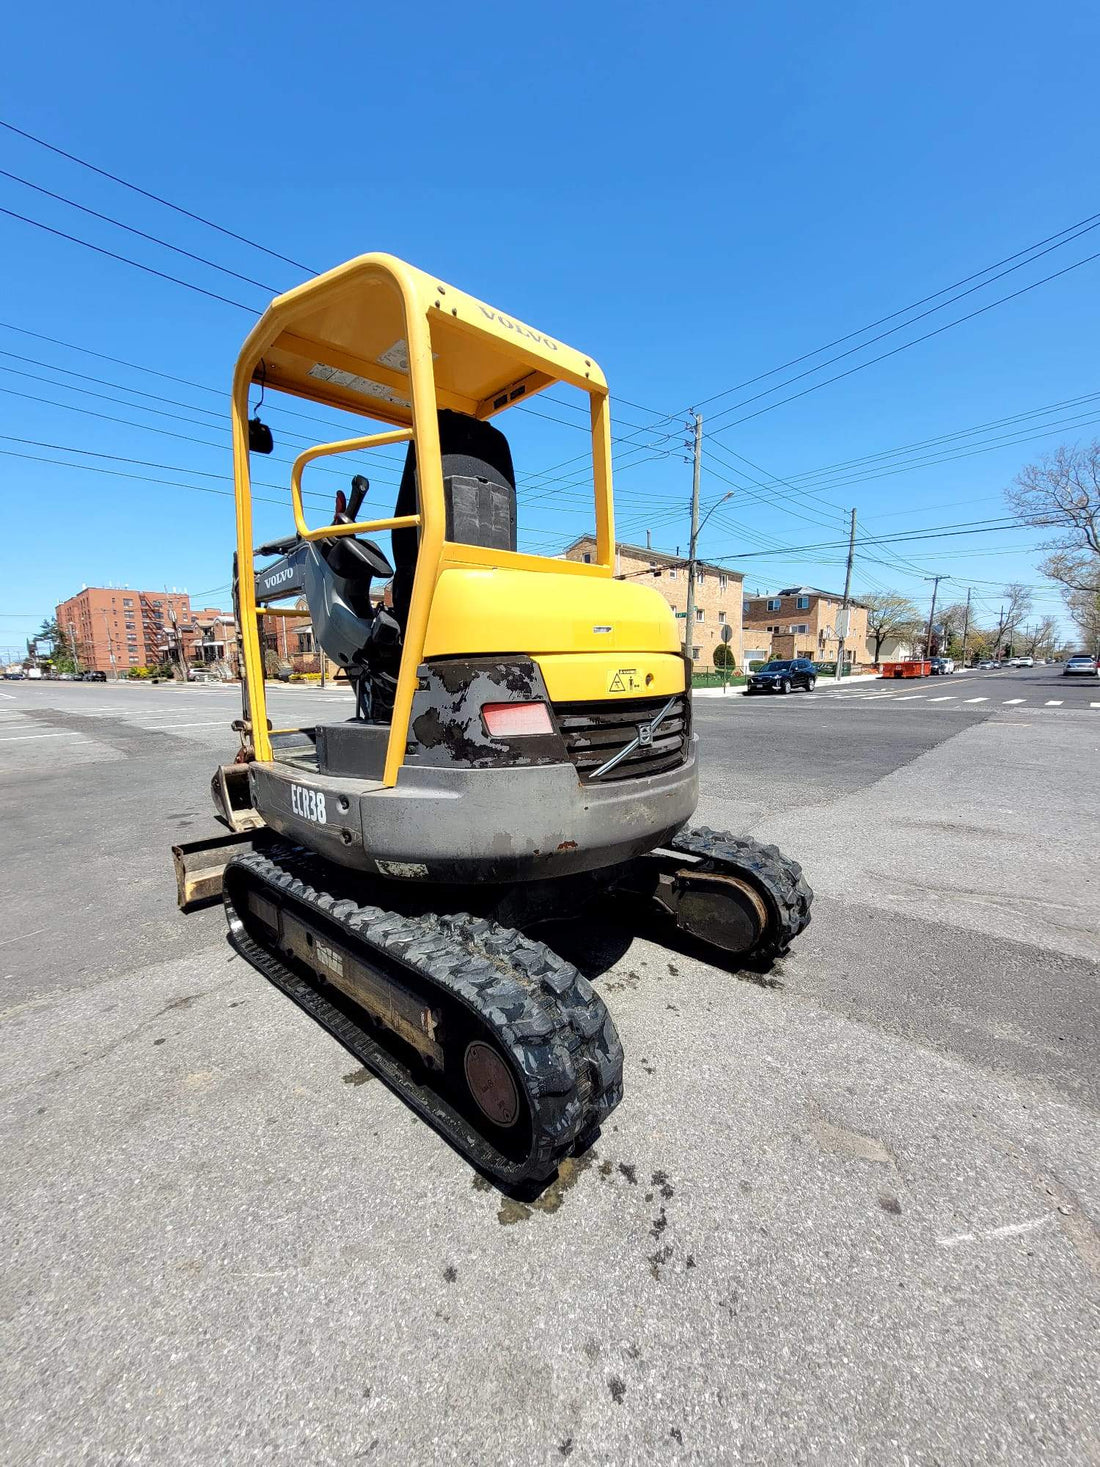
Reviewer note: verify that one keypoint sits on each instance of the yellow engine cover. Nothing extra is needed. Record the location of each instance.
(593, 637)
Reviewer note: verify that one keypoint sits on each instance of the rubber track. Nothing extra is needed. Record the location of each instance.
(540, 1010)
(779, 880)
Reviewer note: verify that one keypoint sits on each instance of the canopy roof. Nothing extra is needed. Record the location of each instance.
(341, 339)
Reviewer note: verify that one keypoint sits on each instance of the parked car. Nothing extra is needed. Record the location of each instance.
(94, 675)
(1080, 666)
(782, 676)
(942, 666)
(14, 675)
(197, 675)
(1026, 662)
(986, 666)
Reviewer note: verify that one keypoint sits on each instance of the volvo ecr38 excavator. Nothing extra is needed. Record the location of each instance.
(521, 744)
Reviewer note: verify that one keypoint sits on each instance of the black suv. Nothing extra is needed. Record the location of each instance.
(781, 677)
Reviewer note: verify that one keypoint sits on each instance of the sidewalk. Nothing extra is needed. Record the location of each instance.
(823, 681)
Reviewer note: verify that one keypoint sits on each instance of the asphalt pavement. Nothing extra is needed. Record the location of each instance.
(847, 1212)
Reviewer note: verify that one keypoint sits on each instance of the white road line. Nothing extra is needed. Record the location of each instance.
(8, 695)
(977, 700)
(1094, 705)
(909, 697)
(216, 723)
(1009, 701)
(24, 936)
(950, 698)
(1053, 703)
(59, 734)
(1011, 1230)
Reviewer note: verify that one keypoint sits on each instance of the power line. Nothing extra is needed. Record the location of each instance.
(167, 203)
(860, 366)
(125, 259)
(141, 234)
(1090, 221)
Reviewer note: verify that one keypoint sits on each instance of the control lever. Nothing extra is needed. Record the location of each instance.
(278, 547)
(359, 488)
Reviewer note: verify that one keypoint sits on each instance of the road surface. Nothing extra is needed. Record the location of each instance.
(844, 1214)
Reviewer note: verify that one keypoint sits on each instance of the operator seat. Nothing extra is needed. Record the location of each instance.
(479, 487)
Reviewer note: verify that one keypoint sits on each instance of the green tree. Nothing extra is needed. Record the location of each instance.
(62, 657)
(723, 657)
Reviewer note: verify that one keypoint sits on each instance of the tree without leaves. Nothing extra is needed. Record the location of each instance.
(1040, 640)
(1084, 608)
(1062, 492)
(1014, 607)
(889, 615)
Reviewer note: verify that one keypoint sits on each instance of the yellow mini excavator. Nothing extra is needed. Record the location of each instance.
(521, 741)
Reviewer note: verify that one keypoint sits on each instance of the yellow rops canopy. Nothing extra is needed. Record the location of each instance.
(342, 339)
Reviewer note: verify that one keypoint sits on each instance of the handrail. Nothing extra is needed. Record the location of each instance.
(346, 445)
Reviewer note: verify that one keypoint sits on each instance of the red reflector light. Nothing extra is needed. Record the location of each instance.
(505, 720)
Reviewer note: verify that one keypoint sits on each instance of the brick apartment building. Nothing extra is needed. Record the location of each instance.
(800, 621)
(718, 592)
(113, 628)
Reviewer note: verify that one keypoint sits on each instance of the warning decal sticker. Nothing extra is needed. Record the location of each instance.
(624, 680)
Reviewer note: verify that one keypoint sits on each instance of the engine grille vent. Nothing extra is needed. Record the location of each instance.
(595, 732)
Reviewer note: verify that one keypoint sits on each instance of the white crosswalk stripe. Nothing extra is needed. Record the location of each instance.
(949, 698)
(1009, 701)
(977, 700)
(1054, 703)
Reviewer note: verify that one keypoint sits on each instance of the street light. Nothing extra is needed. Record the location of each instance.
(696, 529)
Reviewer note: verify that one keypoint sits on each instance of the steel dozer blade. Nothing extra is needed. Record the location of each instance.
(200, 866)
(233, 798)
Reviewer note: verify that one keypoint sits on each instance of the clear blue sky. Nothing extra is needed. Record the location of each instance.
(694, 194)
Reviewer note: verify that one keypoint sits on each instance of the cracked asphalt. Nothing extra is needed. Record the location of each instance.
(847, 1212)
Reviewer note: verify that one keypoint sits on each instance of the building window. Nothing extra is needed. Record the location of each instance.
(700, 575)
(695, 654)
(700, 614)
(127, 601)
(801, 627)
(774, 603)
(723, 582)
(672, 574)
(746, 608)
(588, 557)
(803, 603)
(721, 616)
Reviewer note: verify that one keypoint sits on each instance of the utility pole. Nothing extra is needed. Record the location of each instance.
(1000, 634)
(966, 626)
(72, 641)
(844, 605)
(932, 613)
(689, 633)
(110, 647)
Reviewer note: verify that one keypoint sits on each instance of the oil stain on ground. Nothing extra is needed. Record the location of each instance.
(569, 1173)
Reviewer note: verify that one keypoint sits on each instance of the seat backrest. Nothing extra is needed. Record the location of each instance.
(477, 514)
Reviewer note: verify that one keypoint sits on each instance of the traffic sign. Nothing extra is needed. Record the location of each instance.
(727, 633)
(682, 615)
